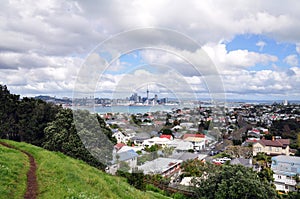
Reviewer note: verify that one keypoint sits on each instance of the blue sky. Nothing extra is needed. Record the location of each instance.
(270, 46)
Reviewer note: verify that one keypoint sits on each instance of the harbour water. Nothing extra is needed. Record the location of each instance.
(130, 109)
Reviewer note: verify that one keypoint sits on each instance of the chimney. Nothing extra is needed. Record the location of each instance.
(273, 138)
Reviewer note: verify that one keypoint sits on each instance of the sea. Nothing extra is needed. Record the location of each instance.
(130, 109)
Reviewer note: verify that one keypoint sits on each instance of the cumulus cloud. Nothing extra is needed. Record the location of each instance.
(237, 59)
(292, 60)
(49, 40)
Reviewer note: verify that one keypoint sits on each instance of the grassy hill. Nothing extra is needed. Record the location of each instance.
(60, 176)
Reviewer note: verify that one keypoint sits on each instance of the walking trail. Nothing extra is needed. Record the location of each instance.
(32, 185)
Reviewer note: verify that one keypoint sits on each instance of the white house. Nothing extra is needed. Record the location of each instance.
(198, 140)
(121, 137)
(156, 140)
(181, 145)
(285, 169)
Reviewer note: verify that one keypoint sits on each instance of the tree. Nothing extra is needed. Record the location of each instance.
(233, 181)
(8, 114)
(167, 151)
(135, 179)
(266, 174)
(61, 135)
(24, 120)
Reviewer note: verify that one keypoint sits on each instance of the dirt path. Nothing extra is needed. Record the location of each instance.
(32, 185)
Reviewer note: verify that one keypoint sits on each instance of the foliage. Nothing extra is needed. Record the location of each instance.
(239, 151)
(287, 129)
(178, 196)
(135, 179)
(136, 120)
(166, 131)
(237, 142)
(262, 159)
(24, 120)
(152, 148)
(233, 181)
(197, 168)
(168, 151)
(266, 174)
(61, 135)
(150, 187)
(147, 157)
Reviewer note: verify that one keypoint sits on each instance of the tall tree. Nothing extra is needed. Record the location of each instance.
(233, 181)
(8, 114)
(81, 140)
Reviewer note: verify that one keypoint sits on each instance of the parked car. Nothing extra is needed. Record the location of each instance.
(221, 160)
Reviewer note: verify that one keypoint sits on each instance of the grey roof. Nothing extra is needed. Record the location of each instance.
(184, 156)
(287, 159)
(126, 155)
(158, 165)
(243, 161)
(287, 165)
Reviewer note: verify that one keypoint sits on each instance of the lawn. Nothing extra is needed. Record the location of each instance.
(60, 176)
(13, 169)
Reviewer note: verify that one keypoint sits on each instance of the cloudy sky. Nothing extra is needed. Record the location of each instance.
(47, 47)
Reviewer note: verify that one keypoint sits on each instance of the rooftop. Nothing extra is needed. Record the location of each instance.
(159, 165)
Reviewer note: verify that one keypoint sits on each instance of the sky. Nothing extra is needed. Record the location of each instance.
(245, 49)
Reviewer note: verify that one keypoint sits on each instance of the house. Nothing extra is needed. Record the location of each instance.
(119, 146)
(120, 137)
(156, 140)
(129, 157)
(285, 169)
(272, 147)
(188, 156)
(164, 166)
(181, 145)
(198, 140)
(170, 137)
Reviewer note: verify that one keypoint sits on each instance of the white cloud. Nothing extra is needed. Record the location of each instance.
(42, 43)
(292, 60)
(237, 59)
(261, 45)
(298, 48)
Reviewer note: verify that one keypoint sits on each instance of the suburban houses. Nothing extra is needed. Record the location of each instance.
(160, 142)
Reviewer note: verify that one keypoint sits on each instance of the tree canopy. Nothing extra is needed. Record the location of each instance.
(233, 181)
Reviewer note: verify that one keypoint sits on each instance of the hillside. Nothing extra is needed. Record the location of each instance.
(59, 176)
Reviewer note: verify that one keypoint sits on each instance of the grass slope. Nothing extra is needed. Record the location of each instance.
(60, 176)
(13, 169)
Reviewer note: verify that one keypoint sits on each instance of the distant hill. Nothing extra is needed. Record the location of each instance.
(59, 176)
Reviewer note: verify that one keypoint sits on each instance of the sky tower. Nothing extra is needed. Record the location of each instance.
(147, 92)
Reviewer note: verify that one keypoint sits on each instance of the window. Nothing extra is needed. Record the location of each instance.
(286, 187)
(276, 149)
(279, 177)
(258, 149)
(270, 148)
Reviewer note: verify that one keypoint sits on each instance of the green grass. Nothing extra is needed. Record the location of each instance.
(60, 176)
(13, 169)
